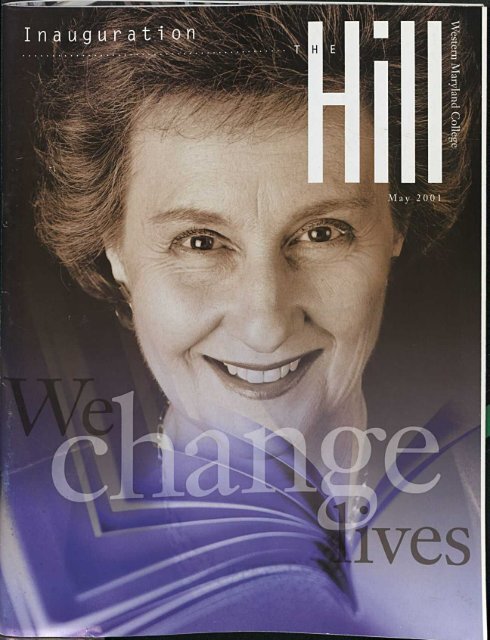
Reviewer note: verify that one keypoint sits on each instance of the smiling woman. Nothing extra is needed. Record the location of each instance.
(174, 186)
(252, 267)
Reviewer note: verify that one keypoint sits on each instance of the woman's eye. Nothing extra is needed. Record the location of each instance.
(199, 241)
(322, 233)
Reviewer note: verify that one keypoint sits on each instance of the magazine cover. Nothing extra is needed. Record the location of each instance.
(242, 295)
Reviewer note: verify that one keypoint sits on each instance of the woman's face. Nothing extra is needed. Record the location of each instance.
(256, 296)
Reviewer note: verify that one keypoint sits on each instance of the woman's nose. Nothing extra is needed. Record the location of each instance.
(265, 309)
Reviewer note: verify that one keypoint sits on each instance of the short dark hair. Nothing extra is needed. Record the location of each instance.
(87, 108)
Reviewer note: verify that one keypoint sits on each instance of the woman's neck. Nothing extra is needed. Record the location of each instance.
(181, 429)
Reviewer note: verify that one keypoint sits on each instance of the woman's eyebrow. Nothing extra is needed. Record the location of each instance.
(187, 214)
(323, 207)
(203, 217)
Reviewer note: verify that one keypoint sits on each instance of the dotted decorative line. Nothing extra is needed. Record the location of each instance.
(148, 55)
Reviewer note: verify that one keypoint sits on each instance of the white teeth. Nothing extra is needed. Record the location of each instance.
(272, 375)
(255, 376)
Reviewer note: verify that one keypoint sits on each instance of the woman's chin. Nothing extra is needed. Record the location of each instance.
(273, 416)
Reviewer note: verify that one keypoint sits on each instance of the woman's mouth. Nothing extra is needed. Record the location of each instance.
(256, 376)
(263, 382)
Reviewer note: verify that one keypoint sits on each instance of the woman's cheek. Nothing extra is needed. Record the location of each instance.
(170, 312)
(351, 300)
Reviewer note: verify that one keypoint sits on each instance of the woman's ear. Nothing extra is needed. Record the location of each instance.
(398, 240)
(117, 266)
(122, 306)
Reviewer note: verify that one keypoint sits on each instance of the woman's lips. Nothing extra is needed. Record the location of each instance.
(263, 382)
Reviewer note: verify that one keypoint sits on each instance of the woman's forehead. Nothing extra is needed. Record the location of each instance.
(205, 154)
(240, 191)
